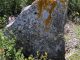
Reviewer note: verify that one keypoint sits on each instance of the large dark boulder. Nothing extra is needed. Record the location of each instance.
(40, 27)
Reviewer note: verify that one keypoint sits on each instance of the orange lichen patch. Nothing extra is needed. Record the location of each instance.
(44, 4)
(48, 21)
(52, 1)
(40, 7)
(62, 1)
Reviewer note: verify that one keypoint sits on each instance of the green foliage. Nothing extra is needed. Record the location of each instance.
(75, 56)
(8, 51)
(74, 11)
(74, 5)
(12, 7)
(77, 31)
(2, 21)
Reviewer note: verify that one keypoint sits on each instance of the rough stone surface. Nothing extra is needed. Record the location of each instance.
(41, 30)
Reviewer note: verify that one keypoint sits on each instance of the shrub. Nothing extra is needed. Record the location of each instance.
(74, 11)
(8, 51)
(12, 7)
(74, 5)
(2, 21)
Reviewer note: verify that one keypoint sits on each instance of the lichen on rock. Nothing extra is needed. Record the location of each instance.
(40, 27)
(49, 6)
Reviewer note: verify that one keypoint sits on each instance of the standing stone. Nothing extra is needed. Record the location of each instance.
(40, 27)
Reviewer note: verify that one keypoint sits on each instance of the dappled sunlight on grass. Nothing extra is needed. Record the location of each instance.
(77, 31)
(75, 56)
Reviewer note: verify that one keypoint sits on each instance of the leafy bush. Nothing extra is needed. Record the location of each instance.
(74, 5)
(74, 11)
(8, 51)
(2, 21)
(12, 7)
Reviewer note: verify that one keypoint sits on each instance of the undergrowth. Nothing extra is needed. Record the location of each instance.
(8, 51)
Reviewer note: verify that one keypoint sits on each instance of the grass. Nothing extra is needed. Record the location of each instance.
(77, 31)
(75, 56)
(67, 37)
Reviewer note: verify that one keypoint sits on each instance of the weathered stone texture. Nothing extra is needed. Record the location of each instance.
(39, 27)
